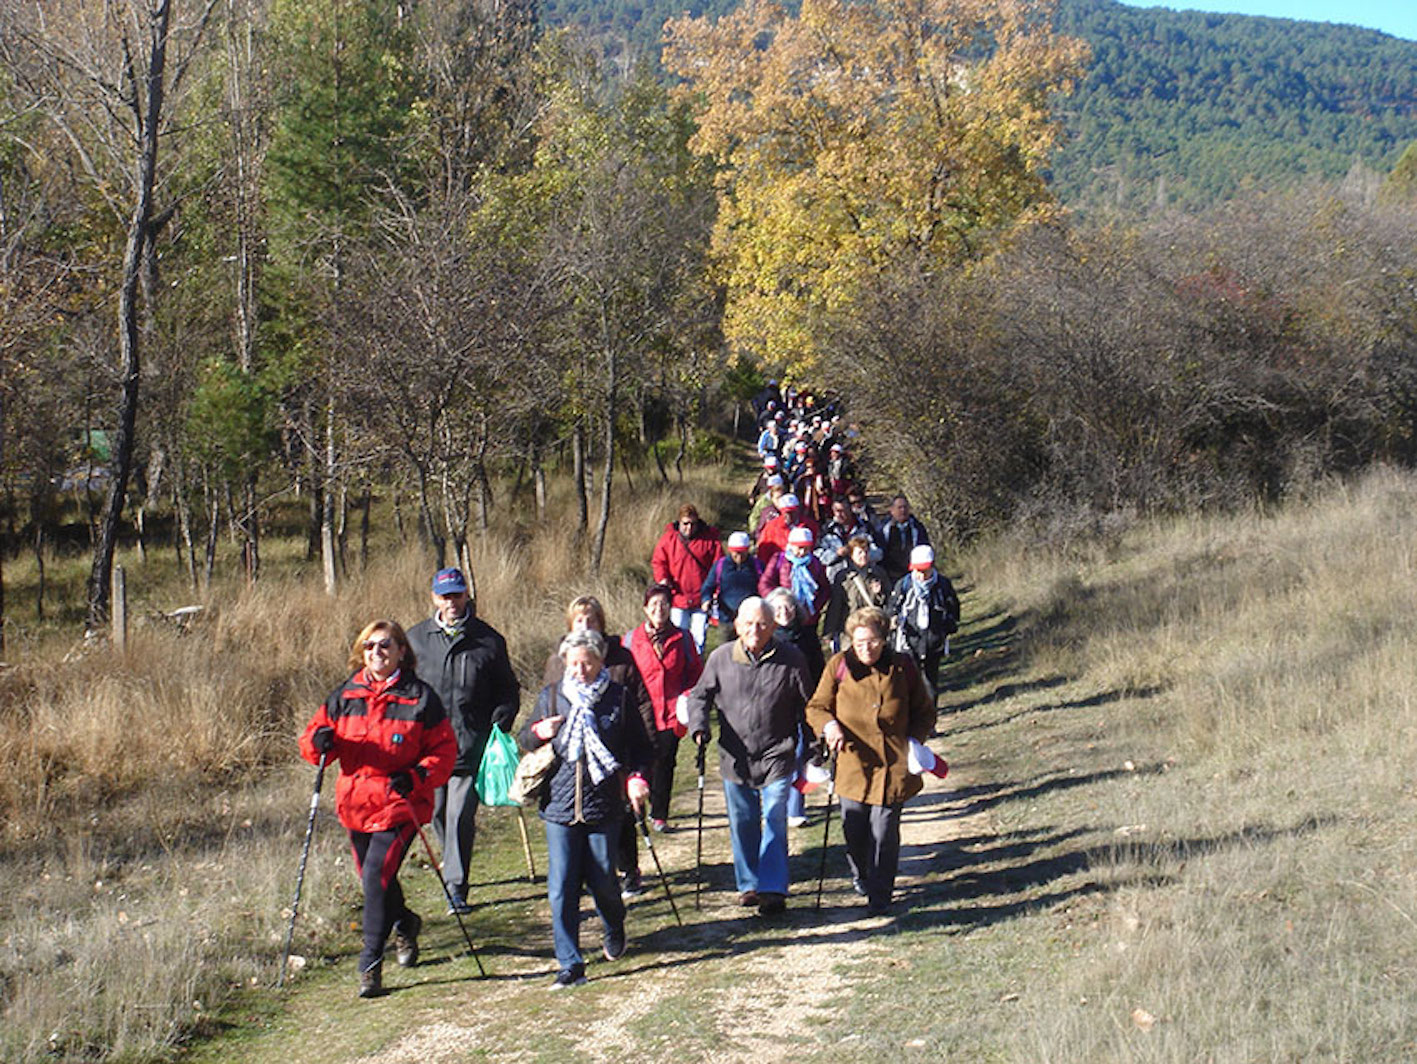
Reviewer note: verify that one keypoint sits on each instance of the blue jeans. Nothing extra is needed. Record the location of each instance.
(796, 800)
(576, 855)
(757, 824)
(693, 622)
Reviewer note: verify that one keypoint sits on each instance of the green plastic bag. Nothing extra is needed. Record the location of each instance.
(499, 764)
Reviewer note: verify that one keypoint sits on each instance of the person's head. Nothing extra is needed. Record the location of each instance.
(659, 599)
(835, 450)
(783, 606)
(585, 612)
(450, 598)
(922, 563)
(754, 624)
(856, 499)
(900, 509)
(859, 547)
(738, 546)
(799, 541)
(688, 519)
(841, 512)
(790, 507)
(381, 647)
(776, 488)
(584, 654)
(867, 627)
(770, 463)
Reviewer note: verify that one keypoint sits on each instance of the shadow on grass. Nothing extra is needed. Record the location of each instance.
(1102, 698)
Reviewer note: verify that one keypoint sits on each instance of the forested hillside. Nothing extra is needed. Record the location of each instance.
(1179, 107)
(1189, 108)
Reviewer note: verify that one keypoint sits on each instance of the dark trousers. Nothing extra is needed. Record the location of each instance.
(872, 846)
(661, 780)
(377, 857)
(929, 665)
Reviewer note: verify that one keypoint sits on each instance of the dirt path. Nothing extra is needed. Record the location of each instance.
(771, 982)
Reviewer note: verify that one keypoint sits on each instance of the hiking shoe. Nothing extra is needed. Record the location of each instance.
(459, 905)
(631, 885)
(858, 886)
(748, 899)
(614, 945)
(796, 821)
(659, 825)
(771, 904)
(566, 977)
(371, 981)
(406, 939)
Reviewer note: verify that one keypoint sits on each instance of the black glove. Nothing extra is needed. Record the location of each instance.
(323, 739)
(503, 718)
(403, 782)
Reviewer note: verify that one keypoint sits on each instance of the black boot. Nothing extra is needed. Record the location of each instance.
(406, 939)
(371, 981)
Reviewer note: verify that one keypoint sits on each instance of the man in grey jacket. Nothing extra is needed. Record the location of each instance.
(465, 660)
(759, 687)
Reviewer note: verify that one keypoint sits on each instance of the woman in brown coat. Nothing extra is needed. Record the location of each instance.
(869, 704)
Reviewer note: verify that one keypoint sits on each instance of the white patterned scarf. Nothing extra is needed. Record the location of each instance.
(581, 736)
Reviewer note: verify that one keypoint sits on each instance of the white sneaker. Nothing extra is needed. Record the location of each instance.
(796, 821)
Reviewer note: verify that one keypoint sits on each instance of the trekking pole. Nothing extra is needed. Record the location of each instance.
(448, 894)
(526, 846)
(699, 833)
(304, 856)
(649, 841)
(827, 827)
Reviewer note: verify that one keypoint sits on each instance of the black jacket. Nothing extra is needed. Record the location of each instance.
(473, 677)
(943, 616)
(623, 734)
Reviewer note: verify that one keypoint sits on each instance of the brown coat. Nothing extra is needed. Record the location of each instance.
(881, 708)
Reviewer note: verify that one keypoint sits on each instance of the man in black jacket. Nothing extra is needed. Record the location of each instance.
(464, 660)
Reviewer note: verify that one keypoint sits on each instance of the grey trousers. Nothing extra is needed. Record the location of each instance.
(872, 847)
(456, 805)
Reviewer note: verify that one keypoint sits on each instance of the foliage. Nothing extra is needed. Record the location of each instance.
(853, 134)
(1184, 108)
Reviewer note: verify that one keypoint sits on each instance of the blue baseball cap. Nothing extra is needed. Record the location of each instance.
(449, 582)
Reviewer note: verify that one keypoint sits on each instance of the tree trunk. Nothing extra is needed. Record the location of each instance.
(101, 574)
(39, 573)
(327, 512)
(578, 472)
(364, 505)
(607, 475)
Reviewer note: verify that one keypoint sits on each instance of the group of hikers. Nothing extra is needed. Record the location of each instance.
(839, 622)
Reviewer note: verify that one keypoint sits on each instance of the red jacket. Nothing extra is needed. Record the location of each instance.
(667, 675)
(683, 562)
(380, 729)
(774, 535)
(778, 573)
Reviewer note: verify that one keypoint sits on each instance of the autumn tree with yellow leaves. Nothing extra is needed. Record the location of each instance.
(856, 135)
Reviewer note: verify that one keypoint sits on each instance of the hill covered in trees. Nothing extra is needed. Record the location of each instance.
(1178, 108)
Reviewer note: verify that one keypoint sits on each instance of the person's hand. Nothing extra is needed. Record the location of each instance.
(700, 738)
(547, 727)
(834, 736)
(503, 718)
(323, 739)
(704, 605)
(401, 783)
(637, 790)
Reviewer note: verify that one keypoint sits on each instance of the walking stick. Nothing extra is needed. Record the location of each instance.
(304, 856)
(826, 826)
(699, 833)
(448, 894)
(526, 846)
(649, 841)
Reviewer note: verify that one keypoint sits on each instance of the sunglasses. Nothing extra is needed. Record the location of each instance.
(378, 644)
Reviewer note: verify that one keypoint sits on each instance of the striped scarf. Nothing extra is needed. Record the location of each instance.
(804, 584)
(579, 731)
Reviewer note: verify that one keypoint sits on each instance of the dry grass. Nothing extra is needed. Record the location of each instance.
(152, 804)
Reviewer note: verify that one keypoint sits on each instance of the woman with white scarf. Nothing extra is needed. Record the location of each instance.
(602, 755)
(924, 612)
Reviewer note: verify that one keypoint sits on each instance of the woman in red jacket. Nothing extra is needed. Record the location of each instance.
(395, 747)
(670, 666)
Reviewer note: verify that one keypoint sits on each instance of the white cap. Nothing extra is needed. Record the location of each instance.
(801, 536)
(789, 502)
(739, 541)
(922, 557)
